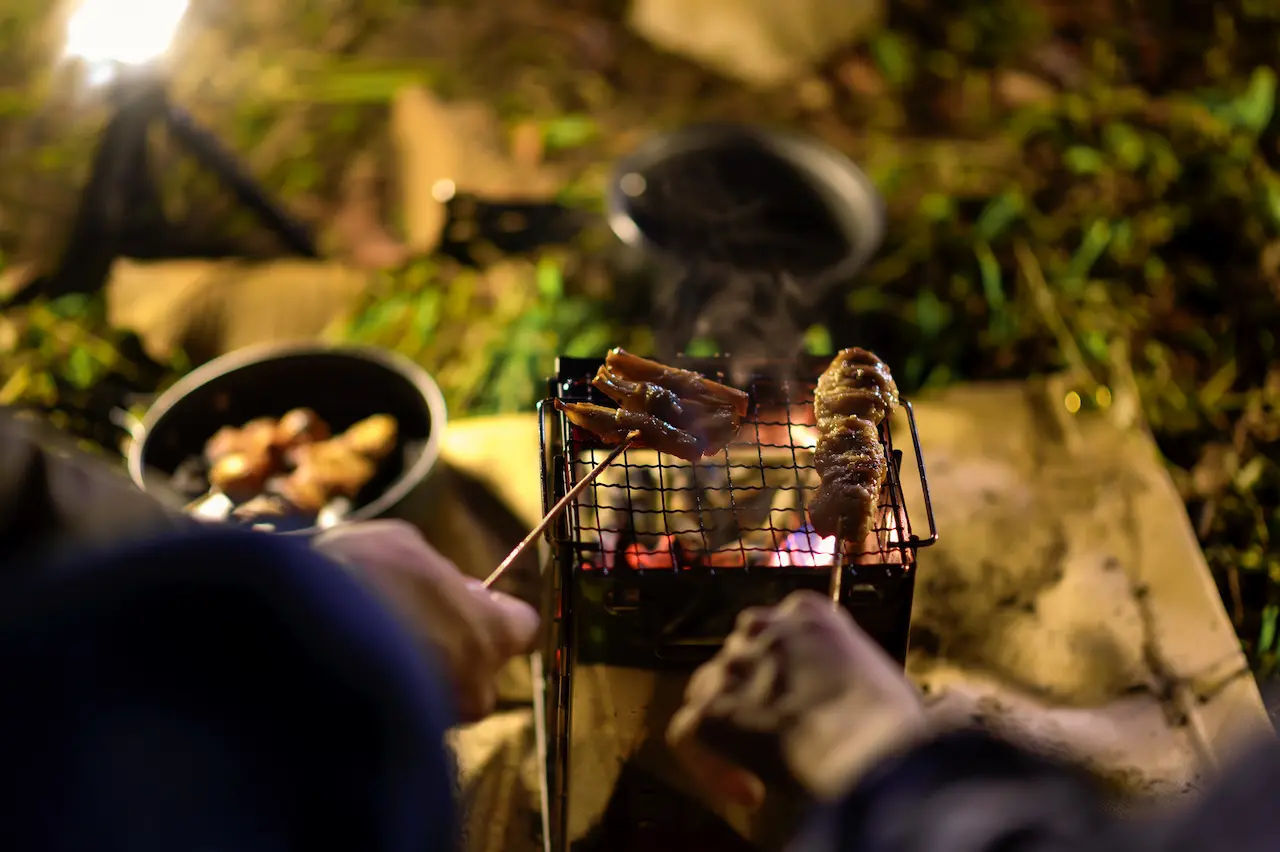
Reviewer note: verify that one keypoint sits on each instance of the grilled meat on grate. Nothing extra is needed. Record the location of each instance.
(853, 397)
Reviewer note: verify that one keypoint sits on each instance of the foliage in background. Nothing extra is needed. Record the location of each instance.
(63, 360)
(489, 338)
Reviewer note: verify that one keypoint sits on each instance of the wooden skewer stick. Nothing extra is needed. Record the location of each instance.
(837, 565)
(560, 507)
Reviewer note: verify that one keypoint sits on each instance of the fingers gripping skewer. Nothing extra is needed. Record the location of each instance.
(837, 565)
(560, 507)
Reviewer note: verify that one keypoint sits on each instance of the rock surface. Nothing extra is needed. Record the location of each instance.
(757, 42)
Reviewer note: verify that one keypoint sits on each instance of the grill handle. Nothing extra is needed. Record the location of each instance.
(924, 481)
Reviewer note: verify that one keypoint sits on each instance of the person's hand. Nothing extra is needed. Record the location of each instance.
(798, 695)
(473, 631)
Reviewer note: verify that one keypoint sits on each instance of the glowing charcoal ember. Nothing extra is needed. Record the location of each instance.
(804, 548)
(665, 556)
(731, 557)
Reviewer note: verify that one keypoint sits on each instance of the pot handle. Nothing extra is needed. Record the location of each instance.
(127, 422)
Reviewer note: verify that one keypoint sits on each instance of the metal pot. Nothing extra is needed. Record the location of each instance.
(739, 232)
(733, 192)
(341, 384)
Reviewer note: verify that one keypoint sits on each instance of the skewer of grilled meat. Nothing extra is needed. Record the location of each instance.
(689, 386)
(613, 425)
(853, 397)
(714, 425)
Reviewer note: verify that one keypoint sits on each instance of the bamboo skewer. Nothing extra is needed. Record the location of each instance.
(837, 565)
(559, 507)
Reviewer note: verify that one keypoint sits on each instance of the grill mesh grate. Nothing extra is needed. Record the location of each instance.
(741, 509)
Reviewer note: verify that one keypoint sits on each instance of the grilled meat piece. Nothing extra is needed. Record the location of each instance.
(854, 395)
(612, 425)
(714, 425)
(240, 475)
(254, 438)
(685, 384)
(373, 437)
(300, 426)
(323, 471)
(857, 384)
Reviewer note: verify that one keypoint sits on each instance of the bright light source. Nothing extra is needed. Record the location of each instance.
(110, 33)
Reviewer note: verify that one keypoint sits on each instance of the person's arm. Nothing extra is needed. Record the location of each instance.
(967, 791)
(55, 499)
(803, 708)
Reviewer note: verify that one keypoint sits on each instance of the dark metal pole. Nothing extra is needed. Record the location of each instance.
(210, 153)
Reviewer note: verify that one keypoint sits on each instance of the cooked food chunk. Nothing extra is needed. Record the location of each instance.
(854, 395)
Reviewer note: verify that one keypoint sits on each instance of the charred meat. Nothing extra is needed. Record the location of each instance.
(613, 425)
(853, 397)
(714, 425)
(688, 386)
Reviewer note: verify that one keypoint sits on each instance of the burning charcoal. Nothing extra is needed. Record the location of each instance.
(664, 556)
(374, 437)
(300, 426)
(240, 475)
(255, 437)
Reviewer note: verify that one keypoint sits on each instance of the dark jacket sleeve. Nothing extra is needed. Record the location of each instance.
(56, 498)
(970, 792)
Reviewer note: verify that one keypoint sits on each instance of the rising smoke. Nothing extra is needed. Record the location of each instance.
(748, 245)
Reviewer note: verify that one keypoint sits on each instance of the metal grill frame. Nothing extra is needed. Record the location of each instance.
(564, 545)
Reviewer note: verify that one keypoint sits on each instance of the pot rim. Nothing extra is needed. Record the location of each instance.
(251, 356)
(850, 195)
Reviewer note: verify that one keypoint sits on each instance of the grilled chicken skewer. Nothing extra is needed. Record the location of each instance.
(854, 395)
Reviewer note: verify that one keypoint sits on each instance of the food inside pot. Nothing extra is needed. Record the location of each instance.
(282, 473)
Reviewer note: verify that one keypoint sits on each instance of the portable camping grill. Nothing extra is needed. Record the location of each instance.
(650, 569)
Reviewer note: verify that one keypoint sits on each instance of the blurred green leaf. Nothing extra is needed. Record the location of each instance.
(932, 314)
(569, 131)
(702, 347)
(1125, 144)
(1267, 633)
(1253, 109)
(550, 280)
(999, 214)
(892, 56)
(817, 340)
(1212, 392)
(1083, 161)
(81, 368)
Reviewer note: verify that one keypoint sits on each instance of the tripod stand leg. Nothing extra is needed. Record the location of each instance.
(209, 152)
(95, 240)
